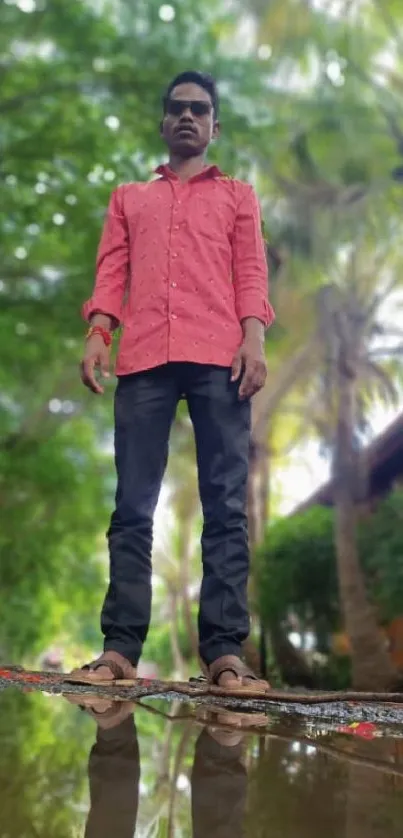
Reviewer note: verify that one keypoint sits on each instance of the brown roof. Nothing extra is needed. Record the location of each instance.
(385, 463)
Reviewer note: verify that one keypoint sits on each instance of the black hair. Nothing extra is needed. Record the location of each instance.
(203, 80)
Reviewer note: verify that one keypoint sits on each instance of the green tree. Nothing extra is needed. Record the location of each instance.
(297, 573)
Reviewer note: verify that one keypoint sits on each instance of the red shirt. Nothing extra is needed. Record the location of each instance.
(181, 264)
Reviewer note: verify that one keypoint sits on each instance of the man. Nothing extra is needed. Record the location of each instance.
(181, 265)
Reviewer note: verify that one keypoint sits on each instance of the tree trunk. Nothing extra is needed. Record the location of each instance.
(262, 649)
(185, 557)
(371, 666)
(174, 637)
(164, 757)
(252, 500)
(264, 494)
(264, 514)
(179, 758)
(268, 399)
(258, 492)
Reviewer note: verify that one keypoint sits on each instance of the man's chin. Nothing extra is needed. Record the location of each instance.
(186, 148)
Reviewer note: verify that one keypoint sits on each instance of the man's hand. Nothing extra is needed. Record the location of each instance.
(251, 360)
(96, 357)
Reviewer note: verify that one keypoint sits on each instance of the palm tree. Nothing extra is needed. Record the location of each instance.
(356, 361)
(351, 373)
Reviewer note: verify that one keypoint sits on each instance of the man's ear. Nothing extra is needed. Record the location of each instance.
(216, 130)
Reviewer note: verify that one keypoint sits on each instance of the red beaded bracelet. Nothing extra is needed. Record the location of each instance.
(98, 330)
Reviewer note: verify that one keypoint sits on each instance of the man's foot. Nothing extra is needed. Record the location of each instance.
(107, 714)
(108, 668)
(228, 727)
(231, 673)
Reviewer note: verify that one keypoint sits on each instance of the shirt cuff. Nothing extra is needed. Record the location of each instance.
(261, 309)
(102, 306)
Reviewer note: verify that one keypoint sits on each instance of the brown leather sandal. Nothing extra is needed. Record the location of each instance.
(244, 682)
(121, 669)
(107, 718)
(211, 714)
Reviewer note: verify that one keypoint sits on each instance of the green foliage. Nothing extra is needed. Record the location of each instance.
(43, 782)
(45, 748)
(50, 517)
(297, 566)
(80, 104)
(296, 569)
(381, 546)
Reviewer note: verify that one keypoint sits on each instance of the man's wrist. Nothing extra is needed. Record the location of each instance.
(253, 329)
(105, 321)
(105, 334)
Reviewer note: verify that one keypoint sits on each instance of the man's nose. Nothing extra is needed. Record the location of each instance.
(187, 113)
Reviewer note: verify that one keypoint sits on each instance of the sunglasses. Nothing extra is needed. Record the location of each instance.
(176, 107)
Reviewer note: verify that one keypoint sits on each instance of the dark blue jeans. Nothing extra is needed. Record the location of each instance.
(145, 406)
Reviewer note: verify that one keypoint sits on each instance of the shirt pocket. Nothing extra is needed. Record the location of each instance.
(211, 217)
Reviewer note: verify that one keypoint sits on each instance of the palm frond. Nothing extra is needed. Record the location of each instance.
(375, 375)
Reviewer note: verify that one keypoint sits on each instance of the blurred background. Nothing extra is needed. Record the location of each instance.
(312, 115)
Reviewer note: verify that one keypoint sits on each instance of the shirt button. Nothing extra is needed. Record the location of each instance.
(174, 317)
(174, 255)
(173, 284)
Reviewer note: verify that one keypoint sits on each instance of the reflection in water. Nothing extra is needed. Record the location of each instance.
(176, 771)
(218, 776)
(219, 789)
(114, 776)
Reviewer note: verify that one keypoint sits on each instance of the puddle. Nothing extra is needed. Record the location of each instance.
(179, 770)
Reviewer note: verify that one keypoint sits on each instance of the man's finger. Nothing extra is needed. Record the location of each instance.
(259, 379)
(88, 375)
(236, 367)
(247, 380)
(253, 380)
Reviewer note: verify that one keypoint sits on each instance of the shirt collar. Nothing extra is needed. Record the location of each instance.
(208, 172)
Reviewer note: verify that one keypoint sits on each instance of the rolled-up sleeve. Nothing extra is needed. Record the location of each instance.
(250, 271)
(112, 264)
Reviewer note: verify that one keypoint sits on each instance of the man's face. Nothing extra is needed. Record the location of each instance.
(189, 124)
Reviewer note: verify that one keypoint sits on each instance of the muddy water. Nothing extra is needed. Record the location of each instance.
(170, 770)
